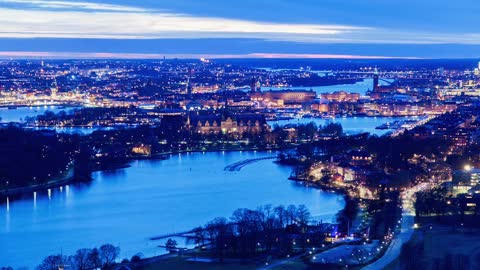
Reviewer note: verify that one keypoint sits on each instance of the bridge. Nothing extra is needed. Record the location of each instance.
(384, 80)
(239, 165)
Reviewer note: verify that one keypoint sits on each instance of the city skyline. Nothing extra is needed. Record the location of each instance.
(246, 29)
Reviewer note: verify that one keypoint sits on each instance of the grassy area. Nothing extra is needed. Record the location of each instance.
(292, 265)
(441, 247)
(180, 263)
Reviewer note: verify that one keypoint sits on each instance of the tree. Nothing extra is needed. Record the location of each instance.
(199, 236)
(219, 232)
(137, 257)
(291, 214)
(281, 213)
(108, 254)
(170, 245)
(303, 216)
(53, 262)
(94, 257)
(82, 260)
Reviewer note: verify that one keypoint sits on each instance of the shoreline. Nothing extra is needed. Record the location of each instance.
(160, 257)
(19, 191)
(70, 179)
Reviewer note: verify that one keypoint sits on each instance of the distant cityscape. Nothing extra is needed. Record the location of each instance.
(231, 125)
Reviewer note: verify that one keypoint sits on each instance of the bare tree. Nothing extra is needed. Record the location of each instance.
(53, 262)
(303, 216)
(108, 254)
(94, 258)
(291, 214)
(82, 260)
(281, 214)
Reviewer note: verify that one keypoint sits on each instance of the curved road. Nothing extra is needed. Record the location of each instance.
(406, 230)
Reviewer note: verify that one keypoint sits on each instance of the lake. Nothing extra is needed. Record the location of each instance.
(125, 207)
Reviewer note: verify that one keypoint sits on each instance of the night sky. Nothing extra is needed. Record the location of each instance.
(246, 28)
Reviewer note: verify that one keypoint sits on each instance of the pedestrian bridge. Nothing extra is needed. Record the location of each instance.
(239, 165)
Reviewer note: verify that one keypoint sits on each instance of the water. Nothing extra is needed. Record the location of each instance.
(360, 87)
(19, 114)
(351, 125)
(125, 207)
(75, 130)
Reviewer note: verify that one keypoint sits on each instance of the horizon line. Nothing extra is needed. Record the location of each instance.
(159, 56)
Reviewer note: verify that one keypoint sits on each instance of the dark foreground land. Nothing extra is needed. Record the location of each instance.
(442, 247)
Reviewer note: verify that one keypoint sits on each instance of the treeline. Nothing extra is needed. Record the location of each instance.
(385, 213)
(81, 117)
(441, 206)
(103, 257)
(35, 157)
(267, 230)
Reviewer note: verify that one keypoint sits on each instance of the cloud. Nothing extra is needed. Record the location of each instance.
(65, 19)
(77, 55)
(45, 4)
(125, 25)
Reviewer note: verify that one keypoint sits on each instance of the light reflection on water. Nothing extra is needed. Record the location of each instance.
(125, 207)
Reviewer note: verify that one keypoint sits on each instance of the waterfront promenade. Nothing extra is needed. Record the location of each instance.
(61, 180)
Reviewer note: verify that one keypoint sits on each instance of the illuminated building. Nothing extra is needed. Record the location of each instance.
(341, 96)
(142, 149)
(227, 123)
(286, 96)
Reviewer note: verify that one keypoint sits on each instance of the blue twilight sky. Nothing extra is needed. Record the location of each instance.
(240, 28)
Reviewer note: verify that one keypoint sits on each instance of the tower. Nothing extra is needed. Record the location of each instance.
(375, 80)
(189, 87)
(253, 86)
(54, 89)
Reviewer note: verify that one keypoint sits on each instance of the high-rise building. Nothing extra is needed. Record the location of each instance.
(375, 80)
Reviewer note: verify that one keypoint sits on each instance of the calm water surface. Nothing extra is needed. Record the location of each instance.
(360, 87)
(125, 207)
(351, 125)
(19, 114)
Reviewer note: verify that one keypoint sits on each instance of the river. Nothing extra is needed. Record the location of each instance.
(360, 87)
(152, 197)
(19, 114)
(350, 125)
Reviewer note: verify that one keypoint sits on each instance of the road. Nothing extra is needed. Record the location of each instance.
(395, 247)
(406, 229)
(280, 262)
